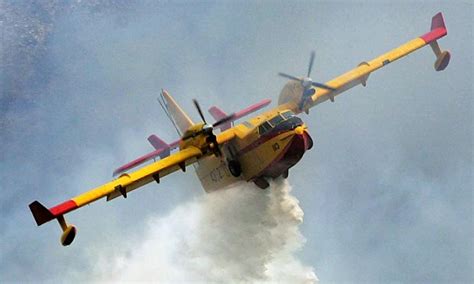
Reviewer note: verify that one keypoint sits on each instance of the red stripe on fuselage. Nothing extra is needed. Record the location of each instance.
(276, 160)
(260, 141)
(288, 157)
(63, 208)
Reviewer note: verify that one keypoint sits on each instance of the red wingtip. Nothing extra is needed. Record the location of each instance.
(63, 208)
(438, 29)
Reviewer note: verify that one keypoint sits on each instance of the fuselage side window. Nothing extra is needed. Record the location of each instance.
(276, 120)
(264, 127)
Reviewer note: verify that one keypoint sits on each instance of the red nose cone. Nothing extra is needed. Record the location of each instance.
(308, 141)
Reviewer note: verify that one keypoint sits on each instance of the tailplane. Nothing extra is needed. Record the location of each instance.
(218, 113)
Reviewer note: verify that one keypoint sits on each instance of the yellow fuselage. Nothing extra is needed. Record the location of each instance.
(265, 146)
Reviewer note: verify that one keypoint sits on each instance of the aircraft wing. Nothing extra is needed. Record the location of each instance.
(120, 186)
(360, 74)
(163, 152)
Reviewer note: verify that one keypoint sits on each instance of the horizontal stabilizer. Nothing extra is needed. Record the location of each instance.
(253, 108)
(162, 152)
(156, 142)
(40, 213)
(217, 113)
(159, 144)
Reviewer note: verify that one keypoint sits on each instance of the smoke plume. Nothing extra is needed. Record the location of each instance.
(241, 234)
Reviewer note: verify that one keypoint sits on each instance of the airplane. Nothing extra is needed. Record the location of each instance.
(256, 150)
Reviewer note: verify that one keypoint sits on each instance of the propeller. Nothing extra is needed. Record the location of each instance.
(307, 83)
(208, 128)
(196, 104)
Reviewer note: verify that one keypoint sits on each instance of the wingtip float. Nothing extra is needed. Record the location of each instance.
(43, 215)
(261, 148)
(438, 30)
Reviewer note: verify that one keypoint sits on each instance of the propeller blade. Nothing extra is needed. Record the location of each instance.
(224, 120)
(196, 104)
(322, 86)
(289, 77)
(310, 66)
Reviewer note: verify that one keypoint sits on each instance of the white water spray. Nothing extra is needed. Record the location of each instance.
(242, 234)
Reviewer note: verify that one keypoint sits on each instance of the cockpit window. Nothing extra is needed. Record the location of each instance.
(287, 114)
(264, 127)
(247, 124)
(276, 120)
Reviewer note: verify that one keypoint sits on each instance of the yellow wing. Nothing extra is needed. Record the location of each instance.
(120, 186)
(360, 74)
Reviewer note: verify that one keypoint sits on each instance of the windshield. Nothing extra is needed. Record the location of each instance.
(287, 114)
(276, 120)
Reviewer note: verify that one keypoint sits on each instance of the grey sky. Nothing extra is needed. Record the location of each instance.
(386, 191)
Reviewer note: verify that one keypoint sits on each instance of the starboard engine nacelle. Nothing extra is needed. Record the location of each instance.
(299, 95)
(292, 92)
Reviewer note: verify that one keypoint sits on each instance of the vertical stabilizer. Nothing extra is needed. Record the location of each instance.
(180, 119)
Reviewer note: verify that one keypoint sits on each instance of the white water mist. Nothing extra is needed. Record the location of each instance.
(241, 234)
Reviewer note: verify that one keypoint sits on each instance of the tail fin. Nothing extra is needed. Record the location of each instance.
(179, 118)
